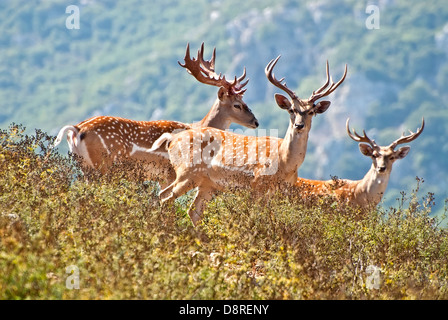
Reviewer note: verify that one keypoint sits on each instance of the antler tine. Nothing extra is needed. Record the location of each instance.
(355, 136)
(326, 83)
(207, 64)
(186, 58)
(242, 85)
(316, 95)
(278, 83)
(411, 137)
(335, 85)
(241, 78)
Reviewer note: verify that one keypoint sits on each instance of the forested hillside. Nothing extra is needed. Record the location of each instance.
(122, 61)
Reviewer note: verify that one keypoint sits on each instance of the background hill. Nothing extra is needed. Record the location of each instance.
(123, 62)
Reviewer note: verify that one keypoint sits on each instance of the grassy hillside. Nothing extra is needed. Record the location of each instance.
(111, 230)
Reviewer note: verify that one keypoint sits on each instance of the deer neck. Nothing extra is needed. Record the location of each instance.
(215, 118)
(373, 185)
(292, 152)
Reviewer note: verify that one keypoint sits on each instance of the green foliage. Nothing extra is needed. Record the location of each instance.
(112, 228)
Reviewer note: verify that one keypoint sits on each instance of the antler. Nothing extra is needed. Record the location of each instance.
(237, 86)
(408, 138)
(321, 92)
(204, 72)
(357, 137)
(278, 83)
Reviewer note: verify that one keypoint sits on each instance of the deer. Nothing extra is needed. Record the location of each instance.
(103, 140)
(218, 159)
(368, 191)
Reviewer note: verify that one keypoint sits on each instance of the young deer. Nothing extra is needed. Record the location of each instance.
(369, 190)
(100, 141)
(218, 159)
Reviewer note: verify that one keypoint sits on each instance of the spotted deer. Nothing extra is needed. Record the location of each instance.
(369, 190)
(217, 159)
(101, 141)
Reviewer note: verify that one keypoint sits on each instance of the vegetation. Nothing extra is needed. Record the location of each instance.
(53, 216)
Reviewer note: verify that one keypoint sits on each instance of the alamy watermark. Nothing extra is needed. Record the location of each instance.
(373, 281)
(73, 20)
(373, 20)
(72, 281)
(230, 148)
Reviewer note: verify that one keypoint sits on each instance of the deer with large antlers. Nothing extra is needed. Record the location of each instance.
(102, 140)
(369, 190)
(211, 159)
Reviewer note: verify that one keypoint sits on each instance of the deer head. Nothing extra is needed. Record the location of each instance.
(229, 104)
(384, 157)
(302, 110)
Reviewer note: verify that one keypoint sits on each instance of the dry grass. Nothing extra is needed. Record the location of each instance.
(112, 229)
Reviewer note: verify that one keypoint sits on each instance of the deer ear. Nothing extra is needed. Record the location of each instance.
(365, 149)
(221, 93)
(282, 101)
(322, 106)
(402, 152)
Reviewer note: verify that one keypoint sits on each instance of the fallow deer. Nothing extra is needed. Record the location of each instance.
(211, 159)
(369, 190)
(102, 140)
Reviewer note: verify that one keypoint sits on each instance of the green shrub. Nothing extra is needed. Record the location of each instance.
(112, 229)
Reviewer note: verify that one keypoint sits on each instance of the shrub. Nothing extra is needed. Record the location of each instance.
(111, 227)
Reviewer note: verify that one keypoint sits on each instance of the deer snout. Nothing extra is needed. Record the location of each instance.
(382, 169)
(299, 126)
(256, 123)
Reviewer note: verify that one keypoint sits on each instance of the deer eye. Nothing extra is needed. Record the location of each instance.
(237, 106)
(291, 111)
